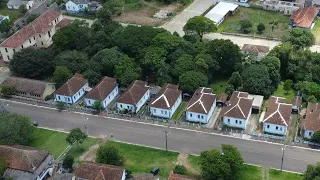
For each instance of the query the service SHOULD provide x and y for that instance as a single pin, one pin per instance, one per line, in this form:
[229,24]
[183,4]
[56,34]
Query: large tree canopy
[32,63]
[76,61]
[61,75]
[192,80]
[273,65]
[199,25]
[127,71]
[312,172]
[299,38]
[108,154]
[15,129]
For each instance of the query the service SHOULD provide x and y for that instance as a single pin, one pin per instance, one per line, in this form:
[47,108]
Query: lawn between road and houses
[4,11]
[268,18]
[142,159]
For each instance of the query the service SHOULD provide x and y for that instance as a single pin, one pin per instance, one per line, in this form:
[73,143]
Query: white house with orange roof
[37,34]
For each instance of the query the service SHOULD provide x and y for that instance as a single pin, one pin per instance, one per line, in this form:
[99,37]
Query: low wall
[252,36]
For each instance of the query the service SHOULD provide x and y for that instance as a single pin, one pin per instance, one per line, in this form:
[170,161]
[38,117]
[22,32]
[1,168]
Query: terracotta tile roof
[201,101]
[166,97]
[145,177]
[222,97]
[134,93]
[39,25]
[26,85]
[312,120]
[63,23]
[103,89]
[304,17]
[72,86]
[255,49]
[239,106]
[278,112]
[297,101]
[174,176]
[95,171]
[23,158]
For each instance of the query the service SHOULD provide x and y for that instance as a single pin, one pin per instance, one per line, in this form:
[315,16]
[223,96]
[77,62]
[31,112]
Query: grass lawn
[13,14]
[219,85]
[55,143]
[231,23]
[179,111]
[282,93]
[278,175]
[141,159]
[316,31]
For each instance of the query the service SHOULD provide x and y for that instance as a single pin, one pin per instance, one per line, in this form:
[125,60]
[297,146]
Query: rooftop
[72,86]
[63,23]
[103,89]
[220,10]
[39,25]
[278,112]
[201,101]
[312,120]
[166,97]
[255,49]
[96,171]
[134,93]
[239,105]
[304,17]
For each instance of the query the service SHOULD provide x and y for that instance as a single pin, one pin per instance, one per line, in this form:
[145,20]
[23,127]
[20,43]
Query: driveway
[195,9]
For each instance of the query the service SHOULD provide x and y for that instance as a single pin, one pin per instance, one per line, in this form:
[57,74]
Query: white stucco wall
[158,112]
[197,117]
[308,134]
[133,107]
[75,8]
[123,175]
[74,98]
[235,122]
[106,101]
[274,128]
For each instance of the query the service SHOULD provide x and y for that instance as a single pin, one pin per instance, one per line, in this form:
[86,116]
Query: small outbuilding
[222,99]
[221,11]
[296,104]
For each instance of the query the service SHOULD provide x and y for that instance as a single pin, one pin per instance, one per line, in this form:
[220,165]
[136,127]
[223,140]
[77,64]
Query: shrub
[180,169]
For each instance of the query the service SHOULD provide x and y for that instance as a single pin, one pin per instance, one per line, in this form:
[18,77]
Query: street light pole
[166,140]
[283,149]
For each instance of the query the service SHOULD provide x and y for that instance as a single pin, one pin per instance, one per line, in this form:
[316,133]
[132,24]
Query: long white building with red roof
[38,34]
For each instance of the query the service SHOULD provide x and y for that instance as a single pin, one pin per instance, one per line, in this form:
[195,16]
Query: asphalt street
[253,152]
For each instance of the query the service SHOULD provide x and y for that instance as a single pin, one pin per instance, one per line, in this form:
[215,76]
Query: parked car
[155,171]
[35,123]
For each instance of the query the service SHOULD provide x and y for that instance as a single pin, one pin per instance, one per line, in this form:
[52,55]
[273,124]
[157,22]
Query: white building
[37,34]
[238,110]
[201,106]
[105,91]
[76,6]
[166,102]
[221,11]
[15,4]
[284,7]
[89,171]
[311,123]
[277,116]
[256,51]
[71,91]
[134,97]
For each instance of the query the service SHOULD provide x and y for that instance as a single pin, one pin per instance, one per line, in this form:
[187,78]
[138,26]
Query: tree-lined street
[254,152]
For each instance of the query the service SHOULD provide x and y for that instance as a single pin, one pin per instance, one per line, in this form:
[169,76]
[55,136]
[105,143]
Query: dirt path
[90,155]
[183,160]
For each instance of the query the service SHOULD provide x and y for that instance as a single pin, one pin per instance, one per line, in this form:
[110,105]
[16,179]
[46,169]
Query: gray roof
[17,2]
[65,176]
[81,1]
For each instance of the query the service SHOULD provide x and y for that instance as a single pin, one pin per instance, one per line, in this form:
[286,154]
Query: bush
[3,165]
[245,26]
[7,90]
[48,97]
[60,106]
[68,162]
[180,169]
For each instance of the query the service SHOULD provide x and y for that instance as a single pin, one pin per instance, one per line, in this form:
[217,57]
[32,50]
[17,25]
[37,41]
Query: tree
[226,53]
[316,137]
[127,71]
[61,75]
[113,6]
[245,26]
[32,17]
[68,162]
[213,165]
[273,65]
[233,157]
[288,85]
[76,135]
[184,63]
[104,15]
[32,63]
[312,99]
[76,61]
[93,77]
[229,90]
[299,38]
[60,106]
[312,172]
[308,89]
[108,59]
[3,165]
[108,154]
[22,9]
[283,52]
[192,80]
[255,80]
[199,25]
[8,90]
[153,59]
[235,80]
[261,28]
[15,129]
[6,26]
[97,105]
[180,169]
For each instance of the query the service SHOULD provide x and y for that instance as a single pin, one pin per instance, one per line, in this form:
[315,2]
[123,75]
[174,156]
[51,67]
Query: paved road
[265,154]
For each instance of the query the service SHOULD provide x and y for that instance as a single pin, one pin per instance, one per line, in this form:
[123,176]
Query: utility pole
[166,139]
[283,149]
